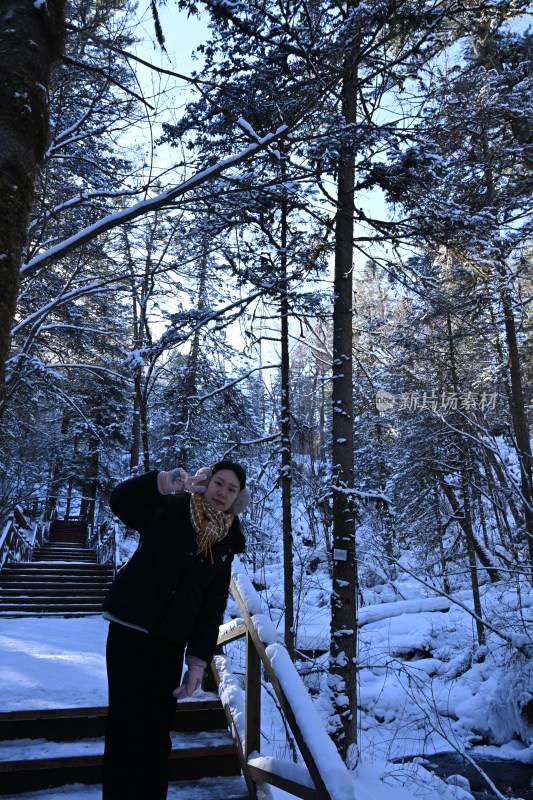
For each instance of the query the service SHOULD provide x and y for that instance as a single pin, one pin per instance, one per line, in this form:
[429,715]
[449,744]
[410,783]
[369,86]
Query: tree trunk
[57,469]
[466,523]
[189,385]
[90,485]
[343,647]
[135,449]
[286,448]
[145,433]
[519,416]
[471,549]
[440,534]
[30,43]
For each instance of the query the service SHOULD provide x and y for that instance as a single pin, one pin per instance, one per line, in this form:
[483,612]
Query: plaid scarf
[210,525]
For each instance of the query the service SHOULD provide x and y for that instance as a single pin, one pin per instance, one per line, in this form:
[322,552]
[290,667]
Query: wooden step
[63,578]
[70,553]
[76,607]
[68,605]
[218,788]
[67,546]
[42,749]
[60,525]
[59,590]
[66,724]
[55,568]
[21,614]
[69,587]
[67,541]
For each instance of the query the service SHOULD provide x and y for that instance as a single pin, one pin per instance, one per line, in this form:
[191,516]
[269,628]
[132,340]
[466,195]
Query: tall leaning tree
[31,38]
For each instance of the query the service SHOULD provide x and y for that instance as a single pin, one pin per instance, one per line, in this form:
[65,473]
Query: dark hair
[236,468]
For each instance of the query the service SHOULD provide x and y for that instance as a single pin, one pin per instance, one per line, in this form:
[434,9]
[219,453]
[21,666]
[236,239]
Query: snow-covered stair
[58,753]
[63,579]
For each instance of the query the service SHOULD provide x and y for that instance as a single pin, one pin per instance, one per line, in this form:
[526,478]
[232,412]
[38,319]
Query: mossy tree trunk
[31,35]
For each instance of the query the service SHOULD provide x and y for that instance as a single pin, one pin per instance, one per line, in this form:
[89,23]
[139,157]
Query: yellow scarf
[210,525]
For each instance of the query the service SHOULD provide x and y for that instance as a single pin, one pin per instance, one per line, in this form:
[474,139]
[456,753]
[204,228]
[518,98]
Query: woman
[169,597]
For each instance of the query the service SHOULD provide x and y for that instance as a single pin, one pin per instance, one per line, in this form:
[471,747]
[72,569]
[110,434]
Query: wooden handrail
[19,518]
[13,544]
[107,546]
[323,776]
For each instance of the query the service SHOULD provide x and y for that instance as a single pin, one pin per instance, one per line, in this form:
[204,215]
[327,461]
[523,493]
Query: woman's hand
[172,481]
[178,480]
[192,680]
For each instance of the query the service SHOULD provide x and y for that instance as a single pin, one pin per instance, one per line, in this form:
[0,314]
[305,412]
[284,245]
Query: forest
[312,255]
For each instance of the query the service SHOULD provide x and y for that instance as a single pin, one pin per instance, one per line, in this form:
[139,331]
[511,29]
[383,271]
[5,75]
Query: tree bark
[31,35]
[466,521]
[519,417]
[460,516]
[343,647]
[57,469]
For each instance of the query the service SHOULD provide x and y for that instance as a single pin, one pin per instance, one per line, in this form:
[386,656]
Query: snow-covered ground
[60,663]
[424,684]
[52,662]
[424,687]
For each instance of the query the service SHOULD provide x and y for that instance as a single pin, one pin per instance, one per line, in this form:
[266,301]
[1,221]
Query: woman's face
[222,490]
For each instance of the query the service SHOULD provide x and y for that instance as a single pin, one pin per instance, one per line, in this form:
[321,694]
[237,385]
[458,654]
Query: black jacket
[165,587]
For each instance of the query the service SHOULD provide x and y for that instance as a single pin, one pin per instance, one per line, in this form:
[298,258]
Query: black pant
[142,672]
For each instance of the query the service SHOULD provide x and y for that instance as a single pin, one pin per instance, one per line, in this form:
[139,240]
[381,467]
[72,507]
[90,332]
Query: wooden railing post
[324,775]
[252,730]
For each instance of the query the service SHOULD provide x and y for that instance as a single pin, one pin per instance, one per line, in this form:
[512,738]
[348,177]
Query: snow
[31,749]
[245,587]
[286,769]
[245,125]
[423,688]
[369,614]
[52,662]
[231,693]
[325,756]
[199,790]
[511,751]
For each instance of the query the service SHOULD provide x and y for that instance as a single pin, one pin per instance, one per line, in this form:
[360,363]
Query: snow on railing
[13,544]
[324,775]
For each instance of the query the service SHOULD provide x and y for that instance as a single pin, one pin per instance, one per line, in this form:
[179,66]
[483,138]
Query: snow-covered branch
[162,200]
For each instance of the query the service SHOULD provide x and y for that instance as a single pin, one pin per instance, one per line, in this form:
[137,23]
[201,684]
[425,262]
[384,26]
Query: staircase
[53,749]
[62,579]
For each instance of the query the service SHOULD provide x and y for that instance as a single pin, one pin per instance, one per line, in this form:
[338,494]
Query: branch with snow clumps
[162,200]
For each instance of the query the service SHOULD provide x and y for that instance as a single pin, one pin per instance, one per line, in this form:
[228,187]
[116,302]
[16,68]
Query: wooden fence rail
[323,775]
[15,538]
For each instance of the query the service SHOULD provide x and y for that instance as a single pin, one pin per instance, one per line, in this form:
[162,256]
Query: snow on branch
[60,300]
[202,398]
[85,196]
[143,207]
